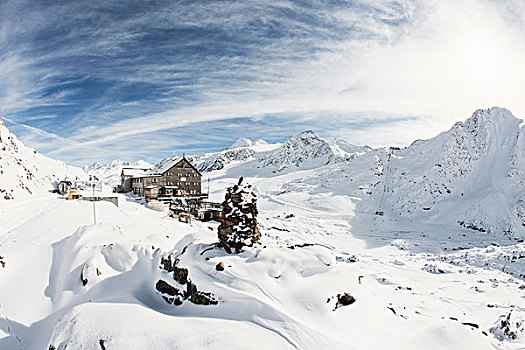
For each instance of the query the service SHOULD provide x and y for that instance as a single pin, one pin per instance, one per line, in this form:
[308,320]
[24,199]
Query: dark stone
[165,288]
[470,324]
[345,299]
[220,266]
[180,275]
[197,297]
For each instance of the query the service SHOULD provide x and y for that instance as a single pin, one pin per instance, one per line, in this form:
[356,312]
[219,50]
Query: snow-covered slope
[25,172]
[109,174]
[471,175]
[378,224]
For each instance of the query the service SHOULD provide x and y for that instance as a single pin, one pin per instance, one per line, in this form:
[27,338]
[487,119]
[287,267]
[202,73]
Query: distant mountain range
[472,175]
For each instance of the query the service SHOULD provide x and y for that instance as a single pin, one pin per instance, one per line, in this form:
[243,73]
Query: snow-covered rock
[238,228]
[25,172]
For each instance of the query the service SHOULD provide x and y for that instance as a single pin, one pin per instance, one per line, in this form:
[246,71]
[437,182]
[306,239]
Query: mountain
[470,176]
[424,242]
[25,172]
[301,151]
[109,174]
[305,150]
[242,150]
[344,149]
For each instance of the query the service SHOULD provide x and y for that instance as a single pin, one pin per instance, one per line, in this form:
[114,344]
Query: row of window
[181,174]
[170,183]
[139,191]
[156,180]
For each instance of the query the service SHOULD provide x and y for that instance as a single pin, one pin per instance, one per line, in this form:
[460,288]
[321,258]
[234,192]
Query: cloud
[112,75]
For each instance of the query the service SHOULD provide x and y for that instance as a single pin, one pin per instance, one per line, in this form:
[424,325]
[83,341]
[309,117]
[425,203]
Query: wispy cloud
[105,77]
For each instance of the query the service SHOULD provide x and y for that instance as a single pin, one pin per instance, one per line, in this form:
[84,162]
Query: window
[154,180]
[170,173]
[169,183]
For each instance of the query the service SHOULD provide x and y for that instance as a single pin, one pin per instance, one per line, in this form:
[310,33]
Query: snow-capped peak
[345,149]
[241,142]
[306,149]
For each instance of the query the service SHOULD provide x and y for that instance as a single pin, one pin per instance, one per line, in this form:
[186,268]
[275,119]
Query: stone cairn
[238,228]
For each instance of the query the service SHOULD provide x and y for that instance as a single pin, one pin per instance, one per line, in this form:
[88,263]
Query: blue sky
[98,80]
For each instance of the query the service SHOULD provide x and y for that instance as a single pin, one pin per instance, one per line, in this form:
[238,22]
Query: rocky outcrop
[174,293]
[508,327]
[239,222]
[306,150]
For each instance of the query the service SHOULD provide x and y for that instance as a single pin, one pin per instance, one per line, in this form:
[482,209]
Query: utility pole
[94,199]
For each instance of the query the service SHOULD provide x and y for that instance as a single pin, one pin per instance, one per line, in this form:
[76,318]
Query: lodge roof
[133,171]
[164,166]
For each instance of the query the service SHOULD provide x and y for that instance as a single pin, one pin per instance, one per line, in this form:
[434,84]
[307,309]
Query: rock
[345,299]
[508,327]
[220,266]
[238,227]
[173,295]
[197,297]
[165,288]
[83,275]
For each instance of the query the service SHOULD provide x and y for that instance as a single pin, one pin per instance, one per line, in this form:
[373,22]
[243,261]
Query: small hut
[151,192]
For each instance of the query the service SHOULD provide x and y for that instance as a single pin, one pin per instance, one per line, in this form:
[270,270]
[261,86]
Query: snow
[334,218]
[110,174]
[242,142]
[24,172]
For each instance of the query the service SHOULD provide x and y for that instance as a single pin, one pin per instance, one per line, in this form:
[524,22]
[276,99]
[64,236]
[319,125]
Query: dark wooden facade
[181,177]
